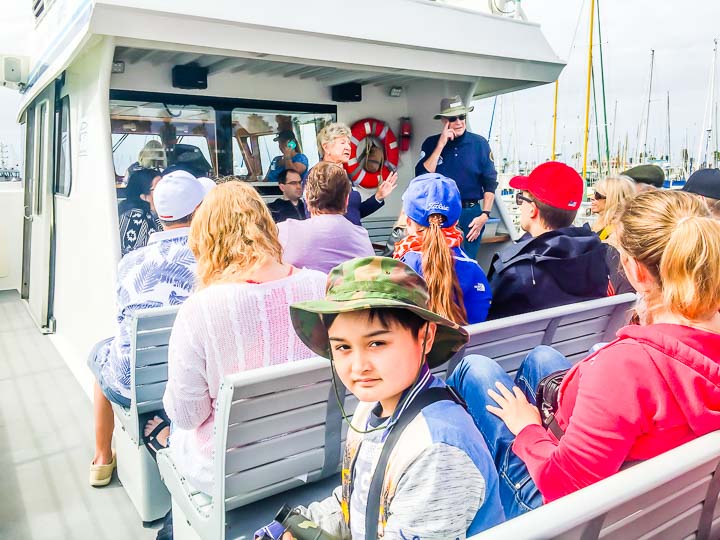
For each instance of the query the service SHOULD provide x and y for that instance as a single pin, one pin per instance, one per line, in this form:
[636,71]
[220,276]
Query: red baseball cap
[553,183]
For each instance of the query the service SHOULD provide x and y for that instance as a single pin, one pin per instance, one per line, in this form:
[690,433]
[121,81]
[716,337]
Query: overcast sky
[681,33]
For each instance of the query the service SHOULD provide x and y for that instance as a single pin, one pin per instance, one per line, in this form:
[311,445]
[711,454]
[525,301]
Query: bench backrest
[571,329]
[148,359]
[674,495]
[379,228]
[280,427]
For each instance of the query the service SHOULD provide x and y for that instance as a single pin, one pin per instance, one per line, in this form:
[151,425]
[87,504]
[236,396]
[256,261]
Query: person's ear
[534,211]
[637,273]
[428,337]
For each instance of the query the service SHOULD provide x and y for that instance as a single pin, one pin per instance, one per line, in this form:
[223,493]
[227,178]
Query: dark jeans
[466,216]
[472,378]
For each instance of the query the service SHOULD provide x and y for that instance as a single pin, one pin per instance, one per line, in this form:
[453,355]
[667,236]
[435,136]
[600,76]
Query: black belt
[469,203]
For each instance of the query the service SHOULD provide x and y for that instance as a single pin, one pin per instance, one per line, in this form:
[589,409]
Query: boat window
[157,135]
[254,132]
[63,178]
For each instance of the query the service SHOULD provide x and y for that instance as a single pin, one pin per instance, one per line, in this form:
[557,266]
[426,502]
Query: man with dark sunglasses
[554,263]
[466,158]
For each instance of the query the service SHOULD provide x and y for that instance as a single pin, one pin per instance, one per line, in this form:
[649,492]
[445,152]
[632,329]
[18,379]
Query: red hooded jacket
[651,390]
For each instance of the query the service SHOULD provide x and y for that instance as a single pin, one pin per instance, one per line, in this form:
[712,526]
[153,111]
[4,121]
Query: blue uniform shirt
[274,169]
[473,282]
[467,160]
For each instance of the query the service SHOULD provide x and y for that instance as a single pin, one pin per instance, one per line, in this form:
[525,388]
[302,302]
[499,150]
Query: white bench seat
[278,429]
[672,496]
[136,469]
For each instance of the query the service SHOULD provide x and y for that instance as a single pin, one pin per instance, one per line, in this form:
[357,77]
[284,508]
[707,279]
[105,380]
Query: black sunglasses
[519,198]
[452,119]
[599,196]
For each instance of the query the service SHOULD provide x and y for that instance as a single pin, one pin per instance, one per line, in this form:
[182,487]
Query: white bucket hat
[177,195]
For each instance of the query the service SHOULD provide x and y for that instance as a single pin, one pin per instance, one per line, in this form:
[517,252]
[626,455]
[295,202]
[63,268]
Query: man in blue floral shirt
[159,274]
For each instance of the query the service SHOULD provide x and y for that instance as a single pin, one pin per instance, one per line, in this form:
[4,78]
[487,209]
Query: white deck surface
[46,444]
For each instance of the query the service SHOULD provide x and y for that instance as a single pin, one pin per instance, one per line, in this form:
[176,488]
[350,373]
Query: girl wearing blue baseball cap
[458,287]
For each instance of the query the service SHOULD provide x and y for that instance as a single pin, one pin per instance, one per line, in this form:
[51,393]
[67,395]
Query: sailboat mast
[706,131]
[589,87]
[647,117]
[555,111]
[602,85]
[668,128]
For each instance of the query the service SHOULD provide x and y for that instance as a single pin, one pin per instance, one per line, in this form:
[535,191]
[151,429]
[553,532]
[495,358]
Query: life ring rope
[372,127]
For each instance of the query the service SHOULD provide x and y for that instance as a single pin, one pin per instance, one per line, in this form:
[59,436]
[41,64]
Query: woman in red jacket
[654,388]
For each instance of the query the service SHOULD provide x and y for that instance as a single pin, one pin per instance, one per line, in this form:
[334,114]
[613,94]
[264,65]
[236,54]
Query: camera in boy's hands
[289,524]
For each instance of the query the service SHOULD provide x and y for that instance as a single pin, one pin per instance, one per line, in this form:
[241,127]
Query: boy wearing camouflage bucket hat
[376,329]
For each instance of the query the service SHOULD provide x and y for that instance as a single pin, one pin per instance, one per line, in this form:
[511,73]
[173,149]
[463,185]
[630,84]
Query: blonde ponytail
[690,268]
[673,236]
[438,266]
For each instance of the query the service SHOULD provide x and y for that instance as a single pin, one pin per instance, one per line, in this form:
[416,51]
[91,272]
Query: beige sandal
[101,475]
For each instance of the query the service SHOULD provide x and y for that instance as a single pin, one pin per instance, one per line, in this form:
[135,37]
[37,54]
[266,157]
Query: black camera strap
[427,397]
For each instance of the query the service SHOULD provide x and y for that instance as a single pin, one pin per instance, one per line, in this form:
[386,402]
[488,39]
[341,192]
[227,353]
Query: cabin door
[37,233]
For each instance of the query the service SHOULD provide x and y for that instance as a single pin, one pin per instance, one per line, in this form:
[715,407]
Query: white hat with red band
[177,195]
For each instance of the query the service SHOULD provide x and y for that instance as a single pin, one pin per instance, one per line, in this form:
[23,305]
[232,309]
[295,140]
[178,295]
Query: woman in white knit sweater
[237,320]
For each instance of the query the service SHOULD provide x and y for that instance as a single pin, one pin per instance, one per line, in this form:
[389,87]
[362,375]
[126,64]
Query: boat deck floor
[46,445]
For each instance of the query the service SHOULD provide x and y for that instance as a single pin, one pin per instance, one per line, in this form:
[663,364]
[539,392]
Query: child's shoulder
[450,424]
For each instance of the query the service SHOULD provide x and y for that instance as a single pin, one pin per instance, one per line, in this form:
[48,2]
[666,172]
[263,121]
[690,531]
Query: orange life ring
[371,127]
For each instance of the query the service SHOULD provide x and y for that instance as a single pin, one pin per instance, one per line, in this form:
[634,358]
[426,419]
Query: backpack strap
[372,509]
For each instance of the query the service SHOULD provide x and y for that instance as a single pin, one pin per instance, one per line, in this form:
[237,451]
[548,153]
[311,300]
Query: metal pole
[589,82]
[492,118]
[597,127]
[669,156]
[647,119]
[555,110]
[602,84]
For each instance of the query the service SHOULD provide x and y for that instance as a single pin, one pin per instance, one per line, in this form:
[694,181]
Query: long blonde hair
[672,234]
[438,267]
[617,190]
[232,232]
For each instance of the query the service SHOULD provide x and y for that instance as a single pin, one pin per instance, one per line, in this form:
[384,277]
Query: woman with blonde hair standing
[656,387]
[608,201]
[237,320]
[334,145]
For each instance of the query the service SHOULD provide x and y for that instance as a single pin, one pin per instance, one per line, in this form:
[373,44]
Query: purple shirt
[322,242]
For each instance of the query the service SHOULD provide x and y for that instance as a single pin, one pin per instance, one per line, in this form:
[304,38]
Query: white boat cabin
[100,86]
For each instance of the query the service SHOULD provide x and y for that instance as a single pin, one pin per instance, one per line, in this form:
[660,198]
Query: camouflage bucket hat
[374,282]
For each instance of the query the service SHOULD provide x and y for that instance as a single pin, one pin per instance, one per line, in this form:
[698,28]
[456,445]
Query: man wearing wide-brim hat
[466,158]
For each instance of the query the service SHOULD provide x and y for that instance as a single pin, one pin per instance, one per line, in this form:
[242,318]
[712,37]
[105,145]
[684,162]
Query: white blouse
[220,330]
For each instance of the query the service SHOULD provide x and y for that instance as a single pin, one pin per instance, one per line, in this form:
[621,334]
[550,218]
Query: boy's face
[376,363]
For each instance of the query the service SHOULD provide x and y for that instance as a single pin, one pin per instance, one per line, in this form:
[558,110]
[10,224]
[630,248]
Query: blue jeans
[466,216]
[472,378]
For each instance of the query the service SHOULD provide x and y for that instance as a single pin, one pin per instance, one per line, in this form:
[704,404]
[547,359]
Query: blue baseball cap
[432,193]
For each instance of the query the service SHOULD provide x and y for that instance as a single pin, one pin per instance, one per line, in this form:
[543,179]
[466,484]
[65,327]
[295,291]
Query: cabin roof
[384,42]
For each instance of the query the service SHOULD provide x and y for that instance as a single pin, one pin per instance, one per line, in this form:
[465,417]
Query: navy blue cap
[705,182]
[429,194]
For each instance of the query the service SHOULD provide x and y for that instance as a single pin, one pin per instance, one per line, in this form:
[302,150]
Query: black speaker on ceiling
[189,77]
[346,92]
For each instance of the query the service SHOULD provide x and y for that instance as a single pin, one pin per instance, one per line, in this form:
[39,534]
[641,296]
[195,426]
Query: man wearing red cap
[554,263]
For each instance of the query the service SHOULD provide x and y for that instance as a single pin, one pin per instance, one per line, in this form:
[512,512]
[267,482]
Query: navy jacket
[357,208]
[556,268]
[282,209]
[467,160]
